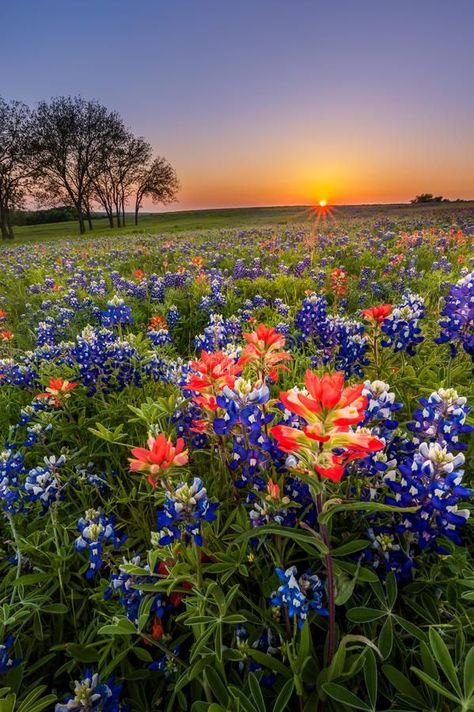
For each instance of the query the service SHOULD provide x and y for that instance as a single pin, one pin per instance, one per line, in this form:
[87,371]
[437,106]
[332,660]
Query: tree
[158,182]
[118,172]
[70,137]
[16,168]
[428,198]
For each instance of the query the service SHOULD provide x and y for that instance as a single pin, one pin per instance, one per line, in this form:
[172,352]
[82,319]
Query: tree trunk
[89,218]
[8,221]
[80,217]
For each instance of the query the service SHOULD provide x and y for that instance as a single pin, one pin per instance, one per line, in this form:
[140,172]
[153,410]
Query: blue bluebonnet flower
[11,467]
[90,694]
[183,511]
[166,664]
[128,586]
[401,327]
[219,334]
[159,337]
[432,481]
[173,316]
[381,405]
[457,328]
[42,483]
[117,313]
[7,663]
[268,642]
[97,531]
[336,339]
[299,595]
[442,419]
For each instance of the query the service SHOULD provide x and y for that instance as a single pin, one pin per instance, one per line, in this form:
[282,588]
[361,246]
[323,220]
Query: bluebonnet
[128,586]
[401,328]
[432,481]
[381,405]
[90,694]
[183,511]
[42,484]
[299,595]
[457,326]
[442,419]
[336,339]
[159,337]
[172,316]
[117,313]
[219,333]
[7,663]
[96,532]
[166,664]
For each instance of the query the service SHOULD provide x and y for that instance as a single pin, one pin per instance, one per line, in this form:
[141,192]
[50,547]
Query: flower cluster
[300,596]
[117,313]
[185,507]
[401,327]
[457,326]
[96,532]
[91,695]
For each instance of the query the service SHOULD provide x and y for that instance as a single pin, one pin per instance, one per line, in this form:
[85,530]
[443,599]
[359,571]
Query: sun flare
[322,203]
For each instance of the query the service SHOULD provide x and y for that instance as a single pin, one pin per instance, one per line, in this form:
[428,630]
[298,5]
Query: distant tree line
[77,154]
[430,198]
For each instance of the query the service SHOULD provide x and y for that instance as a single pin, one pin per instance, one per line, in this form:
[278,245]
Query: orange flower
[198,261]
[58,390]
[7,335]
[329,411]
[139,274]
[161,455]
[214,371]
[3,315]
[156,323]
[377,314]
[263,351]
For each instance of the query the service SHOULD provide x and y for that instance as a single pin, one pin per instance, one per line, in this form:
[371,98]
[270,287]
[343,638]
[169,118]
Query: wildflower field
[235,469]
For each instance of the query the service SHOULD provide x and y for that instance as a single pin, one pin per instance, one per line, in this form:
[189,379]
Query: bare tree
[16,168]
[158,182]
[118,172]
[70,136]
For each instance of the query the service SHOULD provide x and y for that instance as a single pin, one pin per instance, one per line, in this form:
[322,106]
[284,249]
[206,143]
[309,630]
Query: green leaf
[284,696]
[122,627]
[8,703]
[392,590]
[411,628]
[364,615]
[350,547]
[469,674]
[444,660]
[256,691]
[370,676]
[385,640]
[401,683]
[270,662]
[341,694]
[435,685]
[333,509]
[217,686]
[284,533]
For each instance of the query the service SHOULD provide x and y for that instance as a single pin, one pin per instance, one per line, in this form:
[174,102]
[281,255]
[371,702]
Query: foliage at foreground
[235,471]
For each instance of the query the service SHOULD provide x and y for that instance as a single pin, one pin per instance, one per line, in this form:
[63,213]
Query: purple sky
[261,102]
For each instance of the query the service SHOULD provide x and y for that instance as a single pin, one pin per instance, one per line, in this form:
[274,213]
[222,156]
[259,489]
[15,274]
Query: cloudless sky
[266,102]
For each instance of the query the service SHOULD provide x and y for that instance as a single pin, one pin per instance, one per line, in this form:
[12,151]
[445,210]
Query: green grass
[190,220]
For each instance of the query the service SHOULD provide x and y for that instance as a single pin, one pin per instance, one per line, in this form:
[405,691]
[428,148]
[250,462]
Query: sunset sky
[267,102]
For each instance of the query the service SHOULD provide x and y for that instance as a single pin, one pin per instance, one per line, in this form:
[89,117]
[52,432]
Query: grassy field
[190,220]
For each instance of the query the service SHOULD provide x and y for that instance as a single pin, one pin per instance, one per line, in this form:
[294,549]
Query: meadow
[235,463]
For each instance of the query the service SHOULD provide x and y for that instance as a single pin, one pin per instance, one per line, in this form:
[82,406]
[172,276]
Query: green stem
[18,555]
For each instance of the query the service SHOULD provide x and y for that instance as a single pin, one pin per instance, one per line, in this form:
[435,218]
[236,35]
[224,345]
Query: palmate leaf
[284,533]
[345,697]
[444,660]
[331,508]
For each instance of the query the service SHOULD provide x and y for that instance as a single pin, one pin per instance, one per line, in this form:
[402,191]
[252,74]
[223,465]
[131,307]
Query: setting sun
[322,203]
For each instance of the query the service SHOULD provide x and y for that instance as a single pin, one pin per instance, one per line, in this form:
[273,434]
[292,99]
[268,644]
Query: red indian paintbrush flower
[377,314]
[214,371]
[57,390]
[329,411]
[7,335]
[263,351]
[161,455]
[3,315]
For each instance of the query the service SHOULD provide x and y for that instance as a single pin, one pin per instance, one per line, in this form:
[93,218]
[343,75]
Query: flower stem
[331,587]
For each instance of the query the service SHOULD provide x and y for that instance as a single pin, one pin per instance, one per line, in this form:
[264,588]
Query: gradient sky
[267,102]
